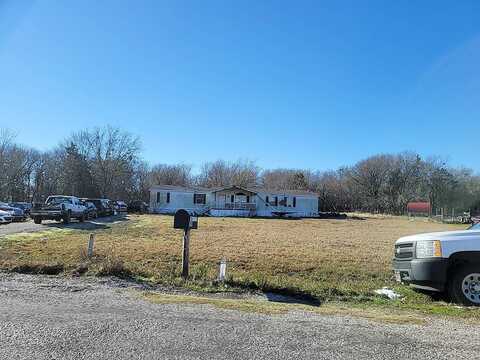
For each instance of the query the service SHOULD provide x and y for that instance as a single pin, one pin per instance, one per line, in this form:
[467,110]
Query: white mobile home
[233,201]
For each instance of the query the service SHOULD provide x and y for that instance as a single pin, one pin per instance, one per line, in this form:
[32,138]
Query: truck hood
[445,235]
[53,207]
[48,207]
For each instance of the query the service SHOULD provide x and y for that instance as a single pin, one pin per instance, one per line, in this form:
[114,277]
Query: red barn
[419,208]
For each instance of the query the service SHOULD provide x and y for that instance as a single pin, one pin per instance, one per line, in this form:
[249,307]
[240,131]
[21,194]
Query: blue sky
[304,84]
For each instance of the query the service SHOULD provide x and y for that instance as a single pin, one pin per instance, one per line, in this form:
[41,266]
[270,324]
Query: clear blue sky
[305,84]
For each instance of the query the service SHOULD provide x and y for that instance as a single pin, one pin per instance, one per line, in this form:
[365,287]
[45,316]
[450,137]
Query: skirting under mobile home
[233,201]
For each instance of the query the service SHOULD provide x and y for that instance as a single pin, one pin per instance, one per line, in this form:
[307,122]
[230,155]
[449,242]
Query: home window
[283,202]
[273,202]
[294,201]
[240,198]
[168,198]
[232,198]
[158,197]
[248,198]
[200,199]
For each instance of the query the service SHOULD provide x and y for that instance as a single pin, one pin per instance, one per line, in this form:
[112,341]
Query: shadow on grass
[321,216]
[288,295]
[356,218]
[39,269]
[304,299]
[115,267]
[93,224]
[433,295]
[278,218]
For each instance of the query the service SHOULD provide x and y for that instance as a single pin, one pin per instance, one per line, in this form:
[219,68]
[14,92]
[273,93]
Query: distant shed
[419,208]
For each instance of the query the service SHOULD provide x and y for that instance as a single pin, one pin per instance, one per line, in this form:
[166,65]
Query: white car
[5,217]
[444,261]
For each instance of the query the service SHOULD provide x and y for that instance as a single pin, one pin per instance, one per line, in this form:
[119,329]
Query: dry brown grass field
[326,258]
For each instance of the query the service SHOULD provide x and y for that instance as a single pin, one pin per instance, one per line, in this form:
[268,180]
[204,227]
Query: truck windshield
[57,200]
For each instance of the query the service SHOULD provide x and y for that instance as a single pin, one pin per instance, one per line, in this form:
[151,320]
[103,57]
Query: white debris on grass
[389,293]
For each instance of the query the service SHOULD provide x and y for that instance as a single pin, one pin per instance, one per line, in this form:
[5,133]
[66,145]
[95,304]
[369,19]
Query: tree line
[106,162]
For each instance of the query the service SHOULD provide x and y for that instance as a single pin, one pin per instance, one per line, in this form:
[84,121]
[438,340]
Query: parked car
[120,206]
[103,206]
[59,207]
[25,206]
[16,213]
[5,217]
[442,262]
[91,210]
[138,206]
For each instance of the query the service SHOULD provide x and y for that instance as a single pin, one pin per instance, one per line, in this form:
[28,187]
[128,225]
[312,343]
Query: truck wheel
[37,220]
[465,285]
[66,218]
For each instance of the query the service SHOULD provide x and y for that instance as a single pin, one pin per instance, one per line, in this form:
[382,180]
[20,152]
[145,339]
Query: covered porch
[234,198]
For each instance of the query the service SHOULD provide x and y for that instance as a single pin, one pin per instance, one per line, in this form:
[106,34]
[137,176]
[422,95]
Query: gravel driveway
[57,318]
[30,226]
[17,227]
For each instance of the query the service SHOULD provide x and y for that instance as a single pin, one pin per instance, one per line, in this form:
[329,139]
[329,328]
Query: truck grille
[404,251]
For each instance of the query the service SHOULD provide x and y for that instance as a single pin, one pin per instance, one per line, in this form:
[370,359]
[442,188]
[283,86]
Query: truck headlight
[429,249]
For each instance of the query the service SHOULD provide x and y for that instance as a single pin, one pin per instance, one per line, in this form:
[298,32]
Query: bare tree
[370,177]
[16,166]
[438,182]
[141,182]
[180,175]
[6,142]
[47,178]
[287,179]
[403,181]
[332,191]
[112,155]
[222,173]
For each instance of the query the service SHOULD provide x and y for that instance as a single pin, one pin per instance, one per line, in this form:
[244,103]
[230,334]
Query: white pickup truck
[443,261]
[59,207]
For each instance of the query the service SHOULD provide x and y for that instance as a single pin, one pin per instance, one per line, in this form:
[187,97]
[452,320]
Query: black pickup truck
[104,206]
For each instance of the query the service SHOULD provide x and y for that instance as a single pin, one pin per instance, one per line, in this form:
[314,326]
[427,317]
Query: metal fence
[452,216]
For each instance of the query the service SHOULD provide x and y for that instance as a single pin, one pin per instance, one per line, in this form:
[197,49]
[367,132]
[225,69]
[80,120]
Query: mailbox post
[185,220]
[186,254]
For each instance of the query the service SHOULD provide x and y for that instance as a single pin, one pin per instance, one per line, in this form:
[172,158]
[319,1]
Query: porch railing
[240,206]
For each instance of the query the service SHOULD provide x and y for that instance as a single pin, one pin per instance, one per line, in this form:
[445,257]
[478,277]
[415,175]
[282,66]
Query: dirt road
[63,318]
